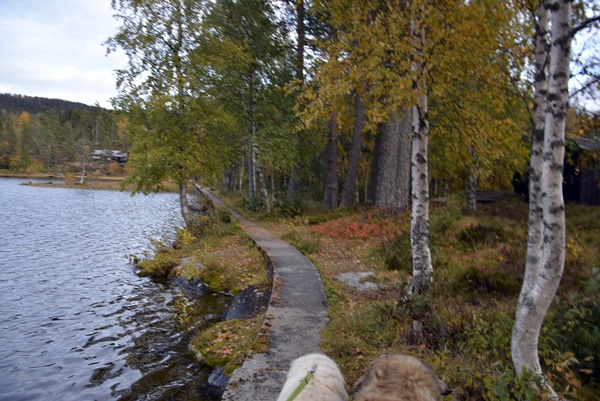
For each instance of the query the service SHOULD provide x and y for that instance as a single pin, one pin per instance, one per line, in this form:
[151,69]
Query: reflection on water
[76,323]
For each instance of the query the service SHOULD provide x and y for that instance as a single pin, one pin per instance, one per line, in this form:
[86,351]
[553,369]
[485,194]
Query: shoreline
[94,182]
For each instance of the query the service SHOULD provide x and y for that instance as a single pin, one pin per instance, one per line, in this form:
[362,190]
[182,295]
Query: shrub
[576,323]
[184,239]
[481,278]
[397,253]
[471,236]
[161,265]
[223,215]
[288,207]
[218,277]
[443,219]
[303,241]
[197,225]
[204,205]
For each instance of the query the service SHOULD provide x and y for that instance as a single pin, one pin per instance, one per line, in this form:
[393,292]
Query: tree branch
[584,24]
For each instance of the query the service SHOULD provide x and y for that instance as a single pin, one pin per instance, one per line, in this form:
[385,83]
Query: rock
[355,280]
[190,286]
[247,303]
[215,384]
[217,378]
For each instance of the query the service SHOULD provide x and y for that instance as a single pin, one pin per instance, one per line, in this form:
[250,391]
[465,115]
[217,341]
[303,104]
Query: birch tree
[419,228]
[546,255]
[246,47]
[159,37]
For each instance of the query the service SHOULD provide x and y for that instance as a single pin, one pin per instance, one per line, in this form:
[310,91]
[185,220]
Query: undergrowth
[212,248]
[466,326]
[227,343]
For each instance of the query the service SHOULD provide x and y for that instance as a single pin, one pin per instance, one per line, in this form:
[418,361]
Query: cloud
[55,49]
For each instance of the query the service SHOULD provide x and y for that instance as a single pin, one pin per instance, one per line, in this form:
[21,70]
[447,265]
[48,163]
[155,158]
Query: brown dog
[399,378]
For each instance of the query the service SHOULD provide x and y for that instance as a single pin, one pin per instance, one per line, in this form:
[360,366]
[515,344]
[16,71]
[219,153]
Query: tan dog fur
[399,378]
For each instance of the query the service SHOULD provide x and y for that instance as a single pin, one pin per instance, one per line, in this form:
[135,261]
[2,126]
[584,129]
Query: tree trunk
[535,238]
[402,191]
[372,177]
[472,182]
[241,182]
[348,193]
[260,178]
[293,185]
[419,233]
[252,150]
[251,170]
[472,190]
[534,304]
[388,163]
[331,184]
[183,202]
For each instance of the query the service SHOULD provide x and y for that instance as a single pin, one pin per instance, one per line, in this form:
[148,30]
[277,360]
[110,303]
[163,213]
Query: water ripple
[76,323]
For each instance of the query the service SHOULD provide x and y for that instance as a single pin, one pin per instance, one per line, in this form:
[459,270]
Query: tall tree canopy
[158,89]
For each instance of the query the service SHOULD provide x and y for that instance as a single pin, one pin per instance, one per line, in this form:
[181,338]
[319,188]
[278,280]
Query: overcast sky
[53,48]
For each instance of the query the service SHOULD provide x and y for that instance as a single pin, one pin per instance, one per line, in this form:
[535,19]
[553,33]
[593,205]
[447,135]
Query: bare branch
[584,24]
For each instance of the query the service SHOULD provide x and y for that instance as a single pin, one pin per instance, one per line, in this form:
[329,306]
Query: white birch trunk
[419,233]
[534,304]
[260,178]
[536,222]
[472,182]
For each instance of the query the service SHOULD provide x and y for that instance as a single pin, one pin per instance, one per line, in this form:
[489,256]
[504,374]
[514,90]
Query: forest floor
[478,261]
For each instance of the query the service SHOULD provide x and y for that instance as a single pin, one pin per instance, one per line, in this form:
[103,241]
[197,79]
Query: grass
[228,343]
[214,249]
[478,263]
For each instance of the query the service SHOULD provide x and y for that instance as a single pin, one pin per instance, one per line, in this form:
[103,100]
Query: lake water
[76,322]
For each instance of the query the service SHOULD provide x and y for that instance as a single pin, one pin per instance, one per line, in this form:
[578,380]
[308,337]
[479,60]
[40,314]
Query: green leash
[303,383]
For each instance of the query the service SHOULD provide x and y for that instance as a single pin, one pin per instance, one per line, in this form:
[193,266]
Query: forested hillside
[33,104]
[39,135]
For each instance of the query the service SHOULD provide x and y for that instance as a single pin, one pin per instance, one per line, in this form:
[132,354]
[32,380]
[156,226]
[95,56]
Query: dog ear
[357,386]
[445,390]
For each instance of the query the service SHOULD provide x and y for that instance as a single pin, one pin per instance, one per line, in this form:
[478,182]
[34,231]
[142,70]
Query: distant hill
[18,103]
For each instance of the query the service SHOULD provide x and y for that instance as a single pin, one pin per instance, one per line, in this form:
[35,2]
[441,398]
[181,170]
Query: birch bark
[472,181]
[536,222]
[534,304]
[419,233]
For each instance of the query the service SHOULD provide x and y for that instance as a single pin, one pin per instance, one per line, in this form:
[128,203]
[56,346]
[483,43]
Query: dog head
[399,378]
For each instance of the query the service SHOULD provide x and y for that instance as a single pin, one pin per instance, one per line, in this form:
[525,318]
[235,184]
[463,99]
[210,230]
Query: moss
[161,265]
[228,343]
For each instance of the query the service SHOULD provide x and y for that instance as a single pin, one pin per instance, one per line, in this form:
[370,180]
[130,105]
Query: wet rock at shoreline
[247,303]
